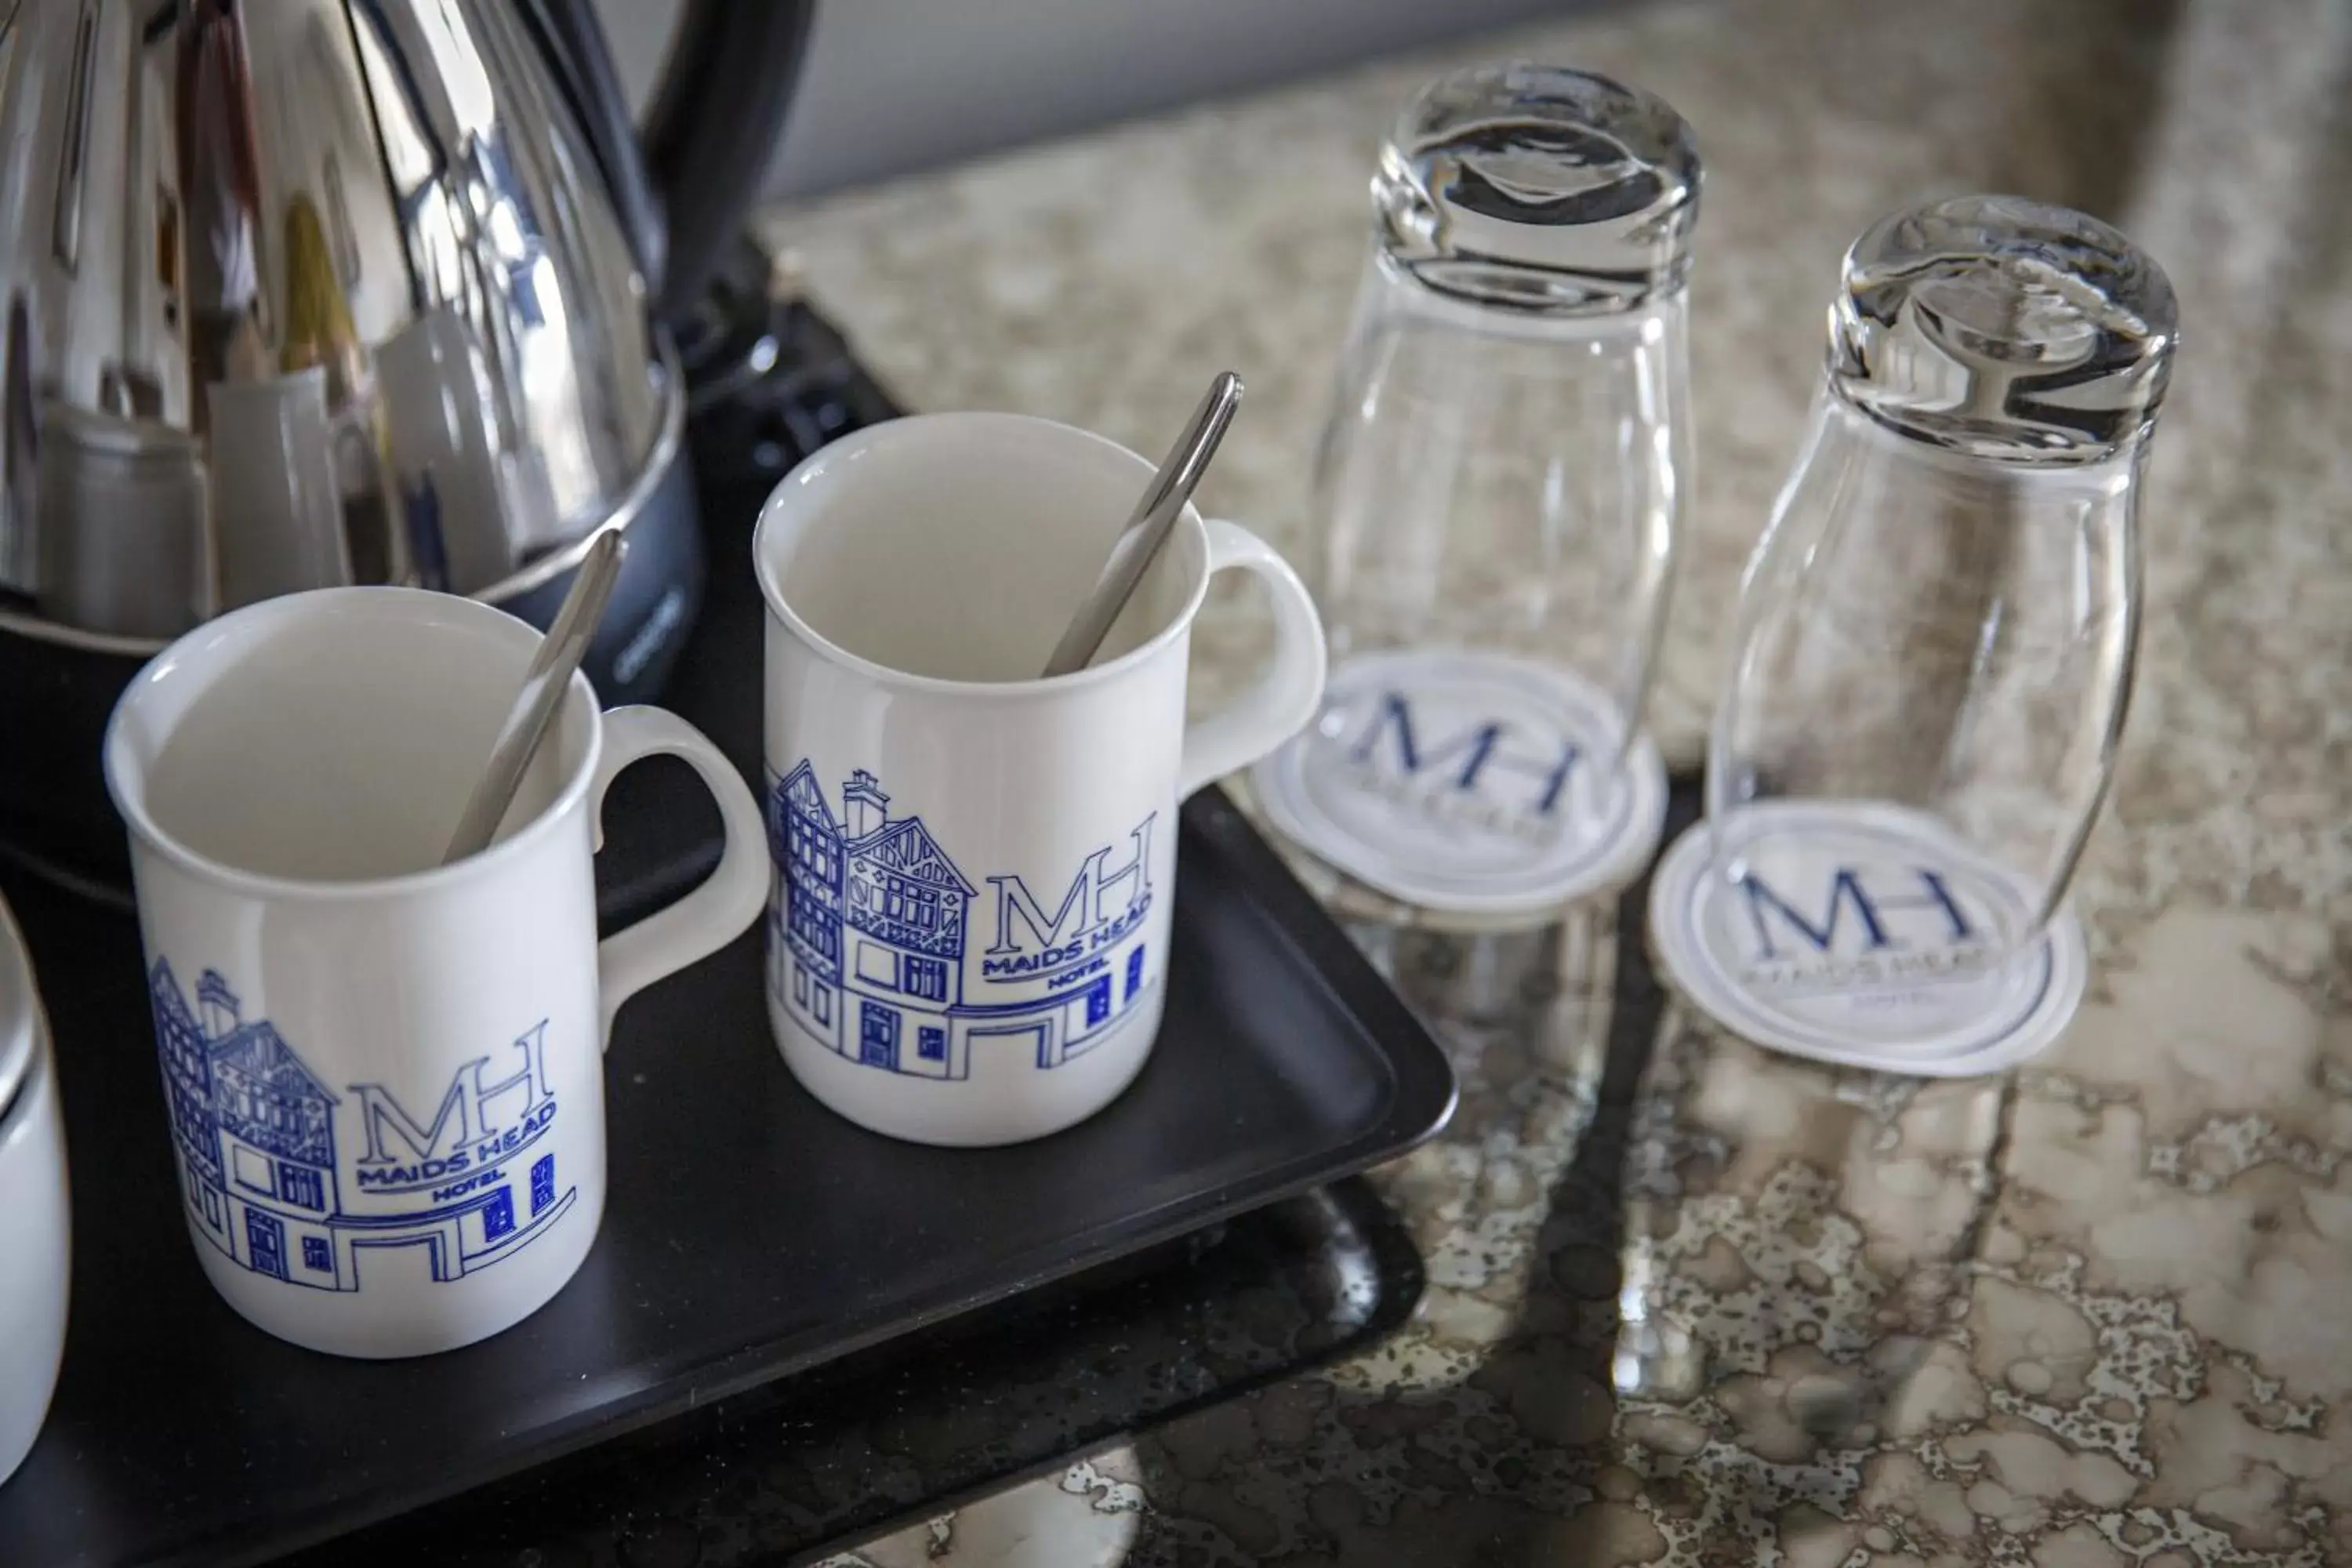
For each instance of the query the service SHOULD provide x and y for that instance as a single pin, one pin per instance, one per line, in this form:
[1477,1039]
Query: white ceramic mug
[35,1241]
[277,509]
[967,940]
[384,1074]
[469,499]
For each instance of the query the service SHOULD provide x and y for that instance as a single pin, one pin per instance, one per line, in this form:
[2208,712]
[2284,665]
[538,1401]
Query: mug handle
[711,916]
[1285,697]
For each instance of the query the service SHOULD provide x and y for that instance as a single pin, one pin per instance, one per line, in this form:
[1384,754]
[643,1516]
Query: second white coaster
[1864,934]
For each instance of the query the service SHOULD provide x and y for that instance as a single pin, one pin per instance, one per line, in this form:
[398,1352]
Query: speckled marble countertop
[2097,1312]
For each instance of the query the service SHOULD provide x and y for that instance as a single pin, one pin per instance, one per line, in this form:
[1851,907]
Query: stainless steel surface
[1138,543]
[560,653]
[374,228]
[667,450]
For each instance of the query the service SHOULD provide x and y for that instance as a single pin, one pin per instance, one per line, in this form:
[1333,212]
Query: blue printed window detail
[808,923]
[266,1184]
[877,1035]
[188,1114]
[870,905]
[265,1241]
[910,905]
[927,978]
[254,1170]
[301,1186]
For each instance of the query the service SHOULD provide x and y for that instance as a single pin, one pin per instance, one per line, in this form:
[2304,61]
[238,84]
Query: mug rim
[1189,522]
[22,1022]
[201,640]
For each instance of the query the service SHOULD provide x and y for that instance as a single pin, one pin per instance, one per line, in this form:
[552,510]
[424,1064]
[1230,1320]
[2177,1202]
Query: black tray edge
[1421,1102]
[1347,1190]
[1363,1206]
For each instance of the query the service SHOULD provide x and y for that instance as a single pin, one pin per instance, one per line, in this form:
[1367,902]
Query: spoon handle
[560,653]
[1154,519]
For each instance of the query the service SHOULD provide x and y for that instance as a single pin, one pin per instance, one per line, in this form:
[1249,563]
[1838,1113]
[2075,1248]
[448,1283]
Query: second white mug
[968,935]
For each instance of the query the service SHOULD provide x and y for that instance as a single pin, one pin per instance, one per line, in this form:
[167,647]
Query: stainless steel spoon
[560,653]
[1148,530]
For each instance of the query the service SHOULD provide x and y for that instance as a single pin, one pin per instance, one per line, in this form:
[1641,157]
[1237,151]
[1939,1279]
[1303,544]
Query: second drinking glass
[1495,504]
[1934,652]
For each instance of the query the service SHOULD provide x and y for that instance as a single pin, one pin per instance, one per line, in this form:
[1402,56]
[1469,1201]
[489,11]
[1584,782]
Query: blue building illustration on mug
[255,1133]
[870,939]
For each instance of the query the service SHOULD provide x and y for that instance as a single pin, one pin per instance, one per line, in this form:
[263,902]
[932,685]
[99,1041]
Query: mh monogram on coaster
[1867,935]
[1471,785]
[974,866]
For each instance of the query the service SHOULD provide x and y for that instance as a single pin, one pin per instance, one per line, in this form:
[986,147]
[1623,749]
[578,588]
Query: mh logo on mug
[871,950]
[258,1149]
[1101,906]
[479,1123]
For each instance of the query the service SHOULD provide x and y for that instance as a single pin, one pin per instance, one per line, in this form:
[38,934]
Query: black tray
[902,1432]
[751,1235]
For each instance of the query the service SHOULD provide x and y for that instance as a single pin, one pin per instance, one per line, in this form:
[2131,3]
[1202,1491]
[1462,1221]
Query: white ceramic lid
[20,1010]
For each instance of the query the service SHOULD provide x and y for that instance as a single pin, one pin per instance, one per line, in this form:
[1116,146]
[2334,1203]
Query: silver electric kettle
[306,292]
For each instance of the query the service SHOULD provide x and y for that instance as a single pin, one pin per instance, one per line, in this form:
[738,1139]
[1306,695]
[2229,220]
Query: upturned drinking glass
[1935,635]
[1500,478]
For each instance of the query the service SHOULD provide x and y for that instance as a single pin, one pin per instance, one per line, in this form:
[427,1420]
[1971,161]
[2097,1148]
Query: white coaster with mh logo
[1468,783]
[1866,934]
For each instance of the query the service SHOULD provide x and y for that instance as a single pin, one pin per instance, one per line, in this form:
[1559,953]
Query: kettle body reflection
[297,293]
